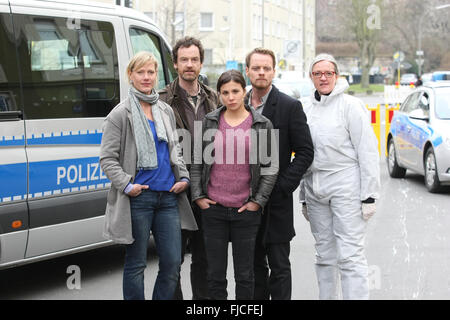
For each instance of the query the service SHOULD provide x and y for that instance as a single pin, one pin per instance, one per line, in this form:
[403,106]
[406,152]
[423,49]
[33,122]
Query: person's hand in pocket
[250,206]
[204,203]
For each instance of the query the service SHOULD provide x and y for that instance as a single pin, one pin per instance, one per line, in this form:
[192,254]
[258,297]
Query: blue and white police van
[62,69]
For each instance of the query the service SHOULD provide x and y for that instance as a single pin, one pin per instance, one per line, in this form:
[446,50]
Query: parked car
[408,78]
[419,137]
[296,88]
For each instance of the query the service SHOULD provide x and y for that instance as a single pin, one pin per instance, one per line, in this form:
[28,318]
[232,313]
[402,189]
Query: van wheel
[395,171]
[431,177]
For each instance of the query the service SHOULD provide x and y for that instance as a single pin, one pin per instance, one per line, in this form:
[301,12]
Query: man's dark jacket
[287,115]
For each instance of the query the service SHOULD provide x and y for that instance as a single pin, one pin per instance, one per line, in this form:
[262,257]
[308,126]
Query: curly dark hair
[186,42]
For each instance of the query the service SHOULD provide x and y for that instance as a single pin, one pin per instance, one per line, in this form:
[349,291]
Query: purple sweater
[229,182]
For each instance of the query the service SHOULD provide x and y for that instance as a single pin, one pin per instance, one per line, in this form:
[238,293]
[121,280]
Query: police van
[62,69]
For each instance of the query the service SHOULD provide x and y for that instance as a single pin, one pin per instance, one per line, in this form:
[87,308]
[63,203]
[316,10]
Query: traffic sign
[292,49]
[399,56]
[420,62]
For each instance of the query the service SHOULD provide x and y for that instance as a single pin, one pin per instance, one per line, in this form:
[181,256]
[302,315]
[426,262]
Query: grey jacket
[118,158]
[263,175]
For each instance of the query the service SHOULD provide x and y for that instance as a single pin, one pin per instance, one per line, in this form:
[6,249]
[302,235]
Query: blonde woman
[141,156]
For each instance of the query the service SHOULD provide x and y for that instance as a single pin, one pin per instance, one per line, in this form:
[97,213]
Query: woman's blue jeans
[155,211]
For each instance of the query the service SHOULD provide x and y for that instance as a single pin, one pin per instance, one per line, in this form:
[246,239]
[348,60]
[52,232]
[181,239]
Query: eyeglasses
[319,74]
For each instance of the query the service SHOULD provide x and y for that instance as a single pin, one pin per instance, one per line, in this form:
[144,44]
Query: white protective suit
[345,171]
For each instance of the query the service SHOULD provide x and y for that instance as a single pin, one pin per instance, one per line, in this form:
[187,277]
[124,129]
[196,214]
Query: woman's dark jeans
[155,211]
[220,226]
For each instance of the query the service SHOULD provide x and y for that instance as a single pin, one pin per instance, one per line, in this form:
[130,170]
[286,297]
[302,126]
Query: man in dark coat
[190,100]
[277,228]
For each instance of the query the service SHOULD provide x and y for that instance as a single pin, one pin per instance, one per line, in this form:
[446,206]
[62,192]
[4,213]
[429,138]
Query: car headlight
[447,141]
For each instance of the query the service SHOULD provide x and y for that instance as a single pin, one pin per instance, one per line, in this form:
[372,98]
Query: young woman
[141,156]
[232,184]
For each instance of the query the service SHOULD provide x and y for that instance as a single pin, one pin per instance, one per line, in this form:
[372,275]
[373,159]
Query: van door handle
[15,115]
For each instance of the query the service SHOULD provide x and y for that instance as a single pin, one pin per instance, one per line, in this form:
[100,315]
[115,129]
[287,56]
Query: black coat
[286,114]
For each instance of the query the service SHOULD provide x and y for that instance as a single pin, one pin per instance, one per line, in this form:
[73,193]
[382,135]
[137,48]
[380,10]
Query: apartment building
[229,29]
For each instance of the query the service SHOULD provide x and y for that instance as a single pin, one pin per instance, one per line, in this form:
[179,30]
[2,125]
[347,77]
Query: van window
[68,70]
[144,41]
[9,78]
[170,67]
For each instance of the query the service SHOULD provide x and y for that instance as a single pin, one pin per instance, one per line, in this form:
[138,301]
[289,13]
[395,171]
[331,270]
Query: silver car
[419,137]
[408,78]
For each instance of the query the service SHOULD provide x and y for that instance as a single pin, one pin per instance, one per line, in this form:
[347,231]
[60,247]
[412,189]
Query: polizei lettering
[79,173]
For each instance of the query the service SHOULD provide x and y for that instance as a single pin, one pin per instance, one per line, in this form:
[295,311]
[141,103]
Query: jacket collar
[215,115]
[272,100]
[174,89]
[339,89]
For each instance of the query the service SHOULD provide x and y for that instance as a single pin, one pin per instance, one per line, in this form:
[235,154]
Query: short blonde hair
[139,60]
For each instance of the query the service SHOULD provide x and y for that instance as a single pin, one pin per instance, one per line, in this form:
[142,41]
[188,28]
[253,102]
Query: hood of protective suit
[341,86]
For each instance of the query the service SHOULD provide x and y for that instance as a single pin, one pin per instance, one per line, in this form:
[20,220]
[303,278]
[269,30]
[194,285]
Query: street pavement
[407,248]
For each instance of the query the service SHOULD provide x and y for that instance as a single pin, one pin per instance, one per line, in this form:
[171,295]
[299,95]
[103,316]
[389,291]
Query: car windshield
[443,103]
[296,89]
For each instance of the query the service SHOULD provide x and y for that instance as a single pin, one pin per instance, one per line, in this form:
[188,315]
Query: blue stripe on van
[14,141]
[13,184]
[48,178]
[90,138]
[53,139]
[65,176]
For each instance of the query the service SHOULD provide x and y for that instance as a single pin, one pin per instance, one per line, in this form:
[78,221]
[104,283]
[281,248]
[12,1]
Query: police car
[419,136]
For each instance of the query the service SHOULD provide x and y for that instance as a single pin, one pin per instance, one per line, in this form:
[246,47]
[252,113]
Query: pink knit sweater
[229,182]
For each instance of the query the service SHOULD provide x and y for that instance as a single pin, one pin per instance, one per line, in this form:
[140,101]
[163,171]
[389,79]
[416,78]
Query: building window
[179,21]
[257,32]
[206,21]
[208,60]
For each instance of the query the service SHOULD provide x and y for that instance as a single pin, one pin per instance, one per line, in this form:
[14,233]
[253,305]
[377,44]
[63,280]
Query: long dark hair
[228,76]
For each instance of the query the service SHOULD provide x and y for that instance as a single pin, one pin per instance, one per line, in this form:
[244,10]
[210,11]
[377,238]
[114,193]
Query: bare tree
[365,23]
[174,19]
[416,25]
